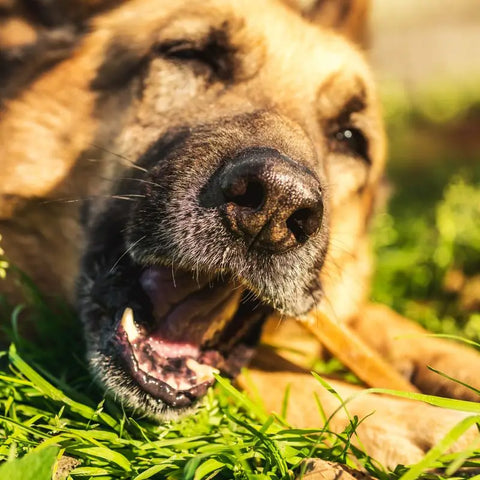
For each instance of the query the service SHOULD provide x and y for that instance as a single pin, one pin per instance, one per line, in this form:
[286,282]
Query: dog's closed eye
[184,50]
[213,52]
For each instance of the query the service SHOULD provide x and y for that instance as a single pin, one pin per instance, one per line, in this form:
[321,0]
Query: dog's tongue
[187,309]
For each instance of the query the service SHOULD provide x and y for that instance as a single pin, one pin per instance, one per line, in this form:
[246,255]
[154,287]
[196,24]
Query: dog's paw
[403,431]
[413,352]
[460,363]
[393,431]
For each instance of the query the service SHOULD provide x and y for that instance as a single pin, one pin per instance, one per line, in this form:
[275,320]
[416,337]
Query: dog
[183,170]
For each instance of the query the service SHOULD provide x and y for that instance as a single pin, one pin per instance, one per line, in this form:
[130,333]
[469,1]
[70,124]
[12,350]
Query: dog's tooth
[204,373]
[128,324]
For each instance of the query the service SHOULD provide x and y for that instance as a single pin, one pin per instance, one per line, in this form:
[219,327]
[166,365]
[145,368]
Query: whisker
[341,247]
[129,249]
[173,275]
[91,197]
[334,313]
[122,157]
[127,197]
[134,195]
[141,180]
[115,179]
[279,320]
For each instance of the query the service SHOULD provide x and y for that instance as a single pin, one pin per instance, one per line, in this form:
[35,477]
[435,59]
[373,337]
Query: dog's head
[246,146]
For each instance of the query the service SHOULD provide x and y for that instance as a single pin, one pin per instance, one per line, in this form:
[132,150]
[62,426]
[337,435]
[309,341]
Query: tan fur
[59,144]
[57,110]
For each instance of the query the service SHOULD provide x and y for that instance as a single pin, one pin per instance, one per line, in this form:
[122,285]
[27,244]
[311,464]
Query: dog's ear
[35,34]
[54,13]
[349,17]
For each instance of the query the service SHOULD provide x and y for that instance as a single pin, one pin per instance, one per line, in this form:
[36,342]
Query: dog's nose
[274,203]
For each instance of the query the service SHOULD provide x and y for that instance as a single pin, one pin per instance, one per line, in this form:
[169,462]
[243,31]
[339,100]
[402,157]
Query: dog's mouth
[179,329]
[172,292]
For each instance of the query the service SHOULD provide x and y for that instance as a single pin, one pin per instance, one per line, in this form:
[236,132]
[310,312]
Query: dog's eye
[183,51]
[351,140]
[210,54]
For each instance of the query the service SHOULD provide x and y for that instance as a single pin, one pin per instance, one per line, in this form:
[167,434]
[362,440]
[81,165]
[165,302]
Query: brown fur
[65,133]
[58,110]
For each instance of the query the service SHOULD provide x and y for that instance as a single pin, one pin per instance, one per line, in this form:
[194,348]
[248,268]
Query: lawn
[427,240]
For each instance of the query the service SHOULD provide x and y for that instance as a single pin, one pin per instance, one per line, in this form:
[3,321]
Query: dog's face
[251,144]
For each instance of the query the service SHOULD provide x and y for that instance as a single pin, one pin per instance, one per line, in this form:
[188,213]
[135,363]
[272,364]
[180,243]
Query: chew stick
[364,362]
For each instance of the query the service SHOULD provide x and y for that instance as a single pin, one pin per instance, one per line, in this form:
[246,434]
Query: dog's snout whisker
[119,156]
[126,196]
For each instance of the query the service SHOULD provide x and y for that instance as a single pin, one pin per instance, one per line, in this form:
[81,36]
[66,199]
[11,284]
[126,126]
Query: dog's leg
[407,347]
[398,431]
[394,431]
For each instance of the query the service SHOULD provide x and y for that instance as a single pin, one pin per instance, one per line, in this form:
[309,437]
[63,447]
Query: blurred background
[427,59]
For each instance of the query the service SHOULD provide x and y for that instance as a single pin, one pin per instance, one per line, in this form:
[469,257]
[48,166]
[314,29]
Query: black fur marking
[121,63]
[46,12]
[171,139]
[60,26]
[55,13]
[355,104]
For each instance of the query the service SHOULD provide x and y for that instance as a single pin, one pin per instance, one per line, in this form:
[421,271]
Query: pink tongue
[186,309]
[167,288]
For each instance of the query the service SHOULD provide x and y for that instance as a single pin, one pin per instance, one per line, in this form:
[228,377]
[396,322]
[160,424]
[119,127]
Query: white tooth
[204,373]
[176,384]
[128,324]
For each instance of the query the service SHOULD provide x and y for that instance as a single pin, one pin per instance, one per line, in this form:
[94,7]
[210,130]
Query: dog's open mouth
[172,292]
[185,330]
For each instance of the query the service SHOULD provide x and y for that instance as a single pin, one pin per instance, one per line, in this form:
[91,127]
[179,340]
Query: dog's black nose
[271,201]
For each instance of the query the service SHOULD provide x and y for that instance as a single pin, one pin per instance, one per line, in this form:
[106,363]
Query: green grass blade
[90,472]
[269,443]
[150,472]
[105,454]
[207,468]
[454,337]
[462,457]
[285,400]
[33,466]
[54,393]
[449,403]
[442,374]
[242,398]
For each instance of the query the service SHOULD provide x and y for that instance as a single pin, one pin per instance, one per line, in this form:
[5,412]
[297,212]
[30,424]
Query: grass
[229,437]
[428,241]
[428,247]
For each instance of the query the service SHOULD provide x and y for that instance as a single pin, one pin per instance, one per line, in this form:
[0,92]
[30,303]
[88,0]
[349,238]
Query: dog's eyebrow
[338,98]
[356,103]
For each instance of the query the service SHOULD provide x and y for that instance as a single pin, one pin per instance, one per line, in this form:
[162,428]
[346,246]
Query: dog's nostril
[303,223]
[245,193]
